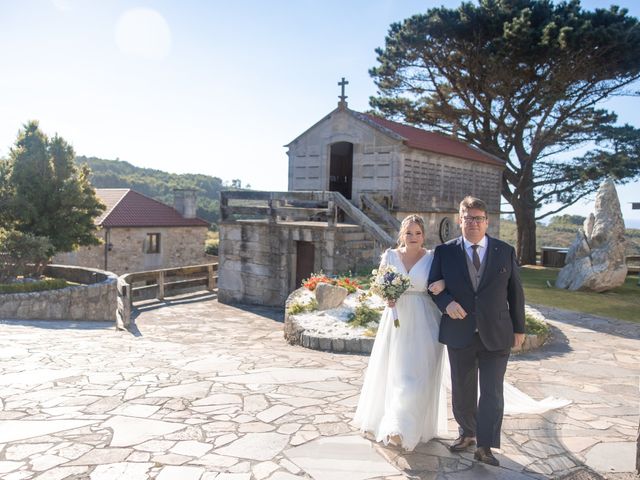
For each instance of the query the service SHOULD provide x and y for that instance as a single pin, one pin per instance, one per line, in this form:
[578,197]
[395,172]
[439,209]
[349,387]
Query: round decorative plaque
[445,230]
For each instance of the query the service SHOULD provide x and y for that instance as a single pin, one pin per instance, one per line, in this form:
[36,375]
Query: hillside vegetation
[156,183]
[561,234]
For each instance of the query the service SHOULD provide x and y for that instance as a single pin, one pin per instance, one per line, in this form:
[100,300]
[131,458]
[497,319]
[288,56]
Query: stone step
[357,236]
[360,245]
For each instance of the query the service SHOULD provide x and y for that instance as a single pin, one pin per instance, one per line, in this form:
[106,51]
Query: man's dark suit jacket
[496,309]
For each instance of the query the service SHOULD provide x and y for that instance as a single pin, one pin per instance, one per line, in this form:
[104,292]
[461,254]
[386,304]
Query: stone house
[140,233]
[403,168]
[383,171]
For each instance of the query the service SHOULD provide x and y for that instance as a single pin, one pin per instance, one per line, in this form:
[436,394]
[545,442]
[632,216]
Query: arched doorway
[341,168]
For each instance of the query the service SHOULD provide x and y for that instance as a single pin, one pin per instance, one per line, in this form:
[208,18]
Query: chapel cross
[342,84]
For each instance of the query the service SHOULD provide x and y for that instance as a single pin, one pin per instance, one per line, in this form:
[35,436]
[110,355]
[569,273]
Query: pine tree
[51,197]
[522,80]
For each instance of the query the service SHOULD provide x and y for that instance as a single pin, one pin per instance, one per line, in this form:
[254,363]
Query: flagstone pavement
[207,391]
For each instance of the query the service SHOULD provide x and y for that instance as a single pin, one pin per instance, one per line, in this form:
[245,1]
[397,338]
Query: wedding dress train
[404,389]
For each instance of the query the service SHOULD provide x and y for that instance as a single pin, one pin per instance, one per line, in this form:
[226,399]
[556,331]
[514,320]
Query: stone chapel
[405,169]
[352,178]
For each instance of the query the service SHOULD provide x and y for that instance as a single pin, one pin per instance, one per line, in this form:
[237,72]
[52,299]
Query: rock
[330,296]
[596,259]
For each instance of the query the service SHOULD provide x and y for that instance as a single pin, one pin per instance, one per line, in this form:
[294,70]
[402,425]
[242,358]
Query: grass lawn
[622,303]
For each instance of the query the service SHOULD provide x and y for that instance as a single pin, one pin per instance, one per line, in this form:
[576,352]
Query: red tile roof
[128,208]
[434,142]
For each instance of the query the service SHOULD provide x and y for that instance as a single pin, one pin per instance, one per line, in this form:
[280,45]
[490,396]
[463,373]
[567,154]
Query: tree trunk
[526,239]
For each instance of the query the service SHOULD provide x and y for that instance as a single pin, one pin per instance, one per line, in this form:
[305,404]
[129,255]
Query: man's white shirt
[482,250]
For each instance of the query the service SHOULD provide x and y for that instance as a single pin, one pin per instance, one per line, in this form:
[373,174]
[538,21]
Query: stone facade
[179,246]
[94,300]
[404,179]
[257,260]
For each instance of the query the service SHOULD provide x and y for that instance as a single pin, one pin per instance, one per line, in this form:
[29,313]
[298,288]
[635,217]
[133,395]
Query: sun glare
[143,32]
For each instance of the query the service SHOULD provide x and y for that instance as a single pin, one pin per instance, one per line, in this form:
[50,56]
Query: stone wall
[94,300]
[179,246]
[257,260]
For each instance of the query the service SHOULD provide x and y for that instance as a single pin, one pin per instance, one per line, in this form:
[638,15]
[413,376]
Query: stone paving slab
[208,391]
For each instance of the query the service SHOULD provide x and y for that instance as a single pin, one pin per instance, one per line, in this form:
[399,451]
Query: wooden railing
[381,212]
[160,283]
[296,206]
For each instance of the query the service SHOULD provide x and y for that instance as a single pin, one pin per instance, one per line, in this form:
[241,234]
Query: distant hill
[156,183]
[561,235]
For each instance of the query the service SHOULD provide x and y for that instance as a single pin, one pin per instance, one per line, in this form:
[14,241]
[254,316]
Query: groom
[483,317]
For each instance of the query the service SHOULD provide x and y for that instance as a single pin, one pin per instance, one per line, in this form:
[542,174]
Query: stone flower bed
[93,299]
[328,329]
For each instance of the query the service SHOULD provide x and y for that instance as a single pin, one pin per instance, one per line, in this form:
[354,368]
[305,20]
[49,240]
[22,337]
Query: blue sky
[214,87]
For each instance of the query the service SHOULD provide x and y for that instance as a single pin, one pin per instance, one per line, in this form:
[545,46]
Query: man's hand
[455,310]
[518,339]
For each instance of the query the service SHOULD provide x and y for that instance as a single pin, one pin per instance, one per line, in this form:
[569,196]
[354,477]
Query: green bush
[46,284]
[296,307]
[22,254]
[363,315]
[533,326]
[211,246]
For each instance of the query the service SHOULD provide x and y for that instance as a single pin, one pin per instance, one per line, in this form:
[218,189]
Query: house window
[153,243]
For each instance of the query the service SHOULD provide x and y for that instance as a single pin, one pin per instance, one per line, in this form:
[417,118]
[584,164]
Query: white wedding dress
[404,389]
[401,394]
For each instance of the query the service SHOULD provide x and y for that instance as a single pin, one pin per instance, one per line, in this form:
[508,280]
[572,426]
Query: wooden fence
[157,284]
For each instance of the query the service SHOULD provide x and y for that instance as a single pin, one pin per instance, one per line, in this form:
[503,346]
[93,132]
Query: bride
[403,399]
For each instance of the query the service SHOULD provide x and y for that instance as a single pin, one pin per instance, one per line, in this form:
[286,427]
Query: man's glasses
[478,219]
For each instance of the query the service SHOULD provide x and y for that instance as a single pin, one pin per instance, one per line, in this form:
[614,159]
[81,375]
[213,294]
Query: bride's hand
[437,287]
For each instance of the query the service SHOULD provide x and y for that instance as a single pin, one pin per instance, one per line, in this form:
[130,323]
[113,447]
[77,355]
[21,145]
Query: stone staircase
[356,250]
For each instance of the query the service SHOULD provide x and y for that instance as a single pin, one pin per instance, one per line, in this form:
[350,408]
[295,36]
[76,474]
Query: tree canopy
[47,195]
[523,80]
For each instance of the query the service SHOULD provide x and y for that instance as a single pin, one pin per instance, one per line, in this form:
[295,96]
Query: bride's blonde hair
[404,226]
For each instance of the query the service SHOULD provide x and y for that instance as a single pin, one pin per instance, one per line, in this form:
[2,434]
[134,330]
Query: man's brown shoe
[484,455]
[462,443]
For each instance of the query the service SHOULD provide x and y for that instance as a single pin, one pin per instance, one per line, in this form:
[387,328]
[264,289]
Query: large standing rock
[596,260]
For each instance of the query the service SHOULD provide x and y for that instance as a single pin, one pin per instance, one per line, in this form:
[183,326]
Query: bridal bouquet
[388,283]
